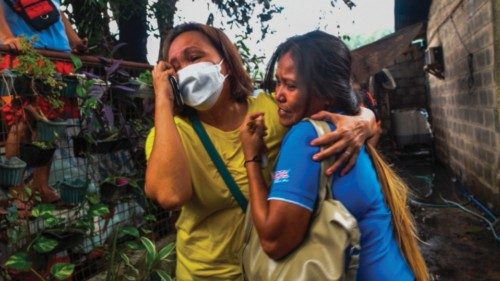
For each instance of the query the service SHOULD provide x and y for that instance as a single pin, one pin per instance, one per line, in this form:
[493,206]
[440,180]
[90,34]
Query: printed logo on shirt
[281,176]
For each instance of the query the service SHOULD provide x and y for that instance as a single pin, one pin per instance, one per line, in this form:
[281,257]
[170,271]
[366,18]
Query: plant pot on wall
[72,191]
[81,146]
[11,171]
[67,238]
[112,191]
[35,154]
[48,131]
[71,85]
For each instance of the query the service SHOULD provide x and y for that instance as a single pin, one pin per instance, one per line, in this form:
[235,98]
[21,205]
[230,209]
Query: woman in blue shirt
[313,74]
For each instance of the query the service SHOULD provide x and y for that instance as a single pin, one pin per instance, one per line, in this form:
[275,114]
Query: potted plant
[103,103]
[72,191]
[114,188]
[31,258]
[37,153]
[11,171]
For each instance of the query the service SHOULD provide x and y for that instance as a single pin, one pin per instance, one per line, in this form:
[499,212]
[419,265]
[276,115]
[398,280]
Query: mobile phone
[177,93]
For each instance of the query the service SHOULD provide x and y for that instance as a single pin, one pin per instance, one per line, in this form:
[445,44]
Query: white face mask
[201,84]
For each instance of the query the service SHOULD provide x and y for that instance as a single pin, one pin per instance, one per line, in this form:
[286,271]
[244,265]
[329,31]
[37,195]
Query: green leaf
[93,198]
[77,62]
[166,251]
[130,230]
[150,218]
[126,259]
[150,250]
[62,271]
[80,91]
[51,220]
[18,261]
[28,191]
[98,210]
[42,210]
[44,245]
[132,245]
[163,275]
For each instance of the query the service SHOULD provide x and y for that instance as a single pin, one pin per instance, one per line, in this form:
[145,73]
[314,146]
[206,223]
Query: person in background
[59,36]
[313,74]
[216,90]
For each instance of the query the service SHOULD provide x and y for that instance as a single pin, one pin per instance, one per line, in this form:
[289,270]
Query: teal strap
[212,152]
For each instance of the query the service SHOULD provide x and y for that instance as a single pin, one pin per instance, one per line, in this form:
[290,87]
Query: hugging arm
[168,180]
[346,141]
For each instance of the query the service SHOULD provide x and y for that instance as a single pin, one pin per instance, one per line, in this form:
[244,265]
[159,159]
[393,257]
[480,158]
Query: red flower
[14,112]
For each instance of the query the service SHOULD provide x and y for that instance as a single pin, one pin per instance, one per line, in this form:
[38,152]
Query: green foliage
[18,261]
[43,244]
[62,271]
[356,41]
[36,66]
[251,61]
[146,77]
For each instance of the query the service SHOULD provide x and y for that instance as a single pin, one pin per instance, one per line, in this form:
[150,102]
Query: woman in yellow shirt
[180,173]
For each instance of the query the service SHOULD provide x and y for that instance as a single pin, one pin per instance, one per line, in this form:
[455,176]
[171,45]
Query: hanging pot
[48,131]
[36,156]
[11,171]
[72,191]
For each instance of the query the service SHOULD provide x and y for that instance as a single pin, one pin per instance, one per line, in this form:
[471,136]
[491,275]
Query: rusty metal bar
[87,60]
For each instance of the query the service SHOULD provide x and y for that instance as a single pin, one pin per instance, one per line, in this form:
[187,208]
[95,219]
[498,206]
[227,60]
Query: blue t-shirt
[296,180]
[51,38]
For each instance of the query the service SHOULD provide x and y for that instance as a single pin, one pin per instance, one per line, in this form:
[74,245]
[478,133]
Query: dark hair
[322,66]
[240,83]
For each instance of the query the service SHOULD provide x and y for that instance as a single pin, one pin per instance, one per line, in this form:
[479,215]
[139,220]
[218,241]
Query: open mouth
[282,111]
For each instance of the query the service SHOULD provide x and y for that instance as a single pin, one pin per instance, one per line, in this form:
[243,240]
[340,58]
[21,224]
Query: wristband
[256,159]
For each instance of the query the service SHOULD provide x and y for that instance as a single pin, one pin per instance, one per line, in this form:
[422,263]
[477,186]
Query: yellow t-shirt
[210,226]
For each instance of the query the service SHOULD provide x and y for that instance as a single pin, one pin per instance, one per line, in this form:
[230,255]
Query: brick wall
[466,118]
[410,79]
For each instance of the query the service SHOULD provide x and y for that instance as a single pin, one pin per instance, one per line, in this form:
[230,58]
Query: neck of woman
[226,115]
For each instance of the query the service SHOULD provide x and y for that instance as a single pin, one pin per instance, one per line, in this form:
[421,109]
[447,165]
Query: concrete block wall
[465,115]
[409,75]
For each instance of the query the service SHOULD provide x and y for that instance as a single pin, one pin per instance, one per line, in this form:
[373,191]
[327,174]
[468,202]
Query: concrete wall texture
[465,105]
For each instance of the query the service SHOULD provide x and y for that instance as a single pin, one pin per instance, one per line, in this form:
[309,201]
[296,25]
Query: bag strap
[325,193]
[217,160]
[325,182]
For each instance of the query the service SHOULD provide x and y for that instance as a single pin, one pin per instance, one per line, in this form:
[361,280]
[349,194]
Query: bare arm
[281,226]
[351,133]
[6,36]
[168,180]
[77,44]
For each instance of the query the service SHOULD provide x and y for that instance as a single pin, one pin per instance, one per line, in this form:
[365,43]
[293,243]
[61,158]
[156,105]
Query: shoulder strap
[216,159]
[325,182]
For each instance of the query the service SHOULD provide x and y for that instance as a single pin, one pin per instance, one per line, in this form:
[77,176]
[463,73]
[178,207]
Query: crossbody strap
[217,160]
[325,190]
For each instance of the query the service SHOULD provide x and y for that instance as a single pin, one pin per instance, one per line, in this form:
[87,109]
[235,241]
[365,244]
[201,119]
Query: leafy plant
[37,67]
[123,260]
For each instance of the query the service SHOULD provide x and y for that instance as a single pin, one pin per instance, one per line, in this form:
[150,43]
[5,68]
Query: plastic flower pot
[36,156]
[48,131]
[72,191]
[67,238]
[81,146]
[11,171]
[23,86]
[70,89]
[113,191]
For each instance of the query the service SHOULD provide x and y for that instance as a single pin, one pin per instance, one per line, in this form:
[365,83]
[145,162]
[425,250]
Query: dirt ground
[456,245]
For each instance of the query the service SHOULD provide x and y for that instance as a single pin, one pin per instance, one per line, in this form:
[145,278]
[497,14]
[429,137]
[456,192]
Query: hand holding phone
[175,89]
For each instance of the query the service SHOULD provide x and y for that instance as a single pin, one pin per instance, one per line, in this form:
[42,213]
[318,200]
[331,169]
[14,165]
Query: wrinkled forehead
[189,40]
